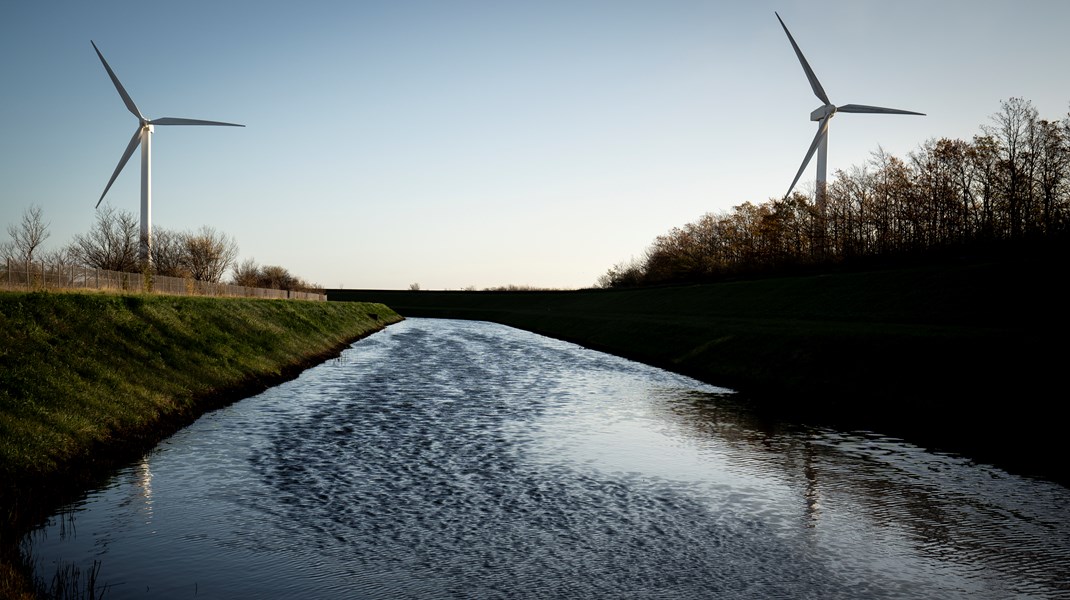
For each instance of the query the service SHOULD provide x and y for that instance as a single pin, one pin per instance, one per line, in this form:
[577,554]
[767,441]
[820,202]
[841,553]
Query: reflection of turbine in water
[144,484]
[812,494]
[745,438]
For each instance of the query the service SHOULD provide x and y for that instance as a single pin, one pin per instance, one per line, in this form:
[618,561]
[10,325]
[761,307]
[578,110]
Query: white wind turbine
[143,136]
[822,115]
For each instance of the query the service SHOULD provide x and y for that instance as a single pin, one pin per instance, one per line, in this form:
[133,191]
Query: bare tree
[276,278]
[112,243]
[27,236]
[247,273]
[209,254]
[1013,128]
[1052,149]
[168,253]
[982,158]
[61,257]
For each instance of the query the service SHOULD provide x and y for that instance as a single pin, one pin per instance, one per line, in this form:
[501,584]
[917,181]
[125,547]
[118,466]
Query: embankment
[963,356]
[87,381]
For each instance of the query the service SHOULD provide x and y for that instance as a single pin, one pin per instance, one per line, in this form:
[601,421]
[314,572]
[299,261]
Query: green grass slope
[955,356]
[82,373]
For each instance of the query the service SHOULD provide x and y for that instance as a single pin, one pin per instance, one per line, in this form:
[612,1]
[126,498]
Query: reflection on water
[461,459]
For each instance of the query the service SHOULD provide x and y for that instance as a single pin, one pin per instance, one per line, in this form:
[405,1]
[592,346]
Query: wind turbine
[143,136]
[822,115]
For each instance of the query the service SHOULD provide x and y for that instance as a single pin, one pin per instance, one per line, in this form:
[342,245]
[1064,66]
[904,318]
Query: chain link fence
[40,276]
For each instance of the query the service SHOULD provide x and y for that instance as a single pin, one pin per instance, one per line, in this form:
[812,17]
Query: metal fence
[17,275]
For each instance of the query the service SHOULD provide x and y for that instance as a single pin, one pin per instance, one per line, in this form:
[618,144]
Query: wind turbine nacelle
[822,112]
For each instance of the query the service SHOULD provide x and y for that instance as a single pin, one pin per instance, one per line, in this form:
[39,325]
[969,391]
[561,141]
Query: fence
[40,276]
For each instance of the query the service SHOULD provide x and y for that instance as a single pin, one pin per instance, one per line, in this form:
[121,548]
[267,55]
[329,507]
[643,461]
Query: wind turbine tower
[823,114]
[143,136]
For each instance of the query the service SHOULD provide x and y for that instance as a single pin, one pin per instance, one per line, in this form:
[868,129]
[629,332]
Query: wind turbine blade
[122,92]
[177,121]
[862,108]
[134,141]
[822,130]
[814,83]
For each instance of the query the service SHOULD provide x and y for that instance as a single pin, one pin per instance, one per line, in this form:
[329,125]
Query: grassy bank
[88,380]
[958,356]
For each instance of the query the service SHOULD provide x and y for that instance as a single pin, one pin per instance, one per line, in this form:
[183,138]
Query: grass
[79,371]
[69,582]
[959,356]
[88,380]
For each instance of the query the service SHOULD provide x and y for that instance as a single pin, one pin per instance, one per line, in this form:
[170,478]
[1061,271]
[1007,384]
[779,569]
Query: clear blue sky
[483,143]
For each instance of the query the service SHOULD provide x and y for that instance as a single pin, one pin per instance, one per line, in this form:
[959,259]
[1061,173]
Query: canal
[460,459]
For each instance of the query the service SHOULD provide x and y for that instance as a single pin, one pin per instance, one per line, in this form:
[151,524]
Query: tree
[208,254]
[849,200]
[1052,149]
[26,237]
[277,278]
[271,277]
[623,274]
[112,243]
[168,253]
[247,274]
[891,212]
[1013,128]
[983,160]
[937,166]
[1011,183]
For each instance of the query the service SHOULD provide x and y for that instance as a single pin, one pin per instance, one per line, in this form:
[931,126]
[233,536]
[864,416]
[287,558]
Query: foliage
[272,277]
[623,274]
[1009,184]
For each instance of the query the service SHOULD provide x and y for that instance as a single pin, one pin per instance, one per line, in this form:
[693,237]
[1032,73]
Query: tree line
[1010,183]
[112,244]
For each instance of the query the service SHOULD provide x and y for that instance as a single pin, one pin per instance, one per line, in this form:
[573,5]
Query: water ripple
[454,459]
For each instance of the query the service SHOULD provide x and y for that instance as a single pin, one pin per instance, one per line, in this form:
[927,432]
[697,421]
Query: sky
[464,143]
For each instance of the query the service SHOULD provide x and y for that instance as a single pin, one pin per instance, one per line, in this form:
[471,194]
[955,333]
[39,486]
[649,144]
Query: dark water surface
[454,459]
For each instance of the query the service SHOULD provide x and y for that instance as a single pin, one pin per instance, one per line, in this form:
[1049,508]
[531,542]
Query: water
[454,459]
